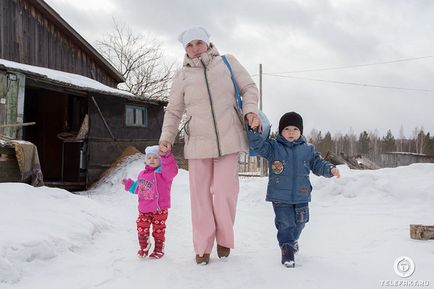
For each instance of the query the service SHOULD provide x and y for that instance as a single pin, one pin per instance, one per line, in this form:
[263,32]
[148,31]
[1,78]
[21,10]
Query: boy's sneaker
[223,251]
[288,256]
[202,259]
[295,246]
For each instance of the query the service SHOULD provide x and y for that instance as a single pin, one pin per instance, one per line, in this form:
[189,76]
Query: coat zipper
[212,109]
[158,193]
[293,177]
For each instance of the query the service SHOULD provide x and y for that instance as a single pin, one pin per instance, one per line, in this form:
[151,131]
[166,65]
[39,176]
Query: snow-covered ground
[50,238]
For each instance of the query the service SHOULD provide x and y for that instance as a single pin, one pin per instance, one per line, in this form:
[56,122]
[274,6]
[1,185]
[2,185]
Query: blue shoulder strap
[264,120]
[237,93]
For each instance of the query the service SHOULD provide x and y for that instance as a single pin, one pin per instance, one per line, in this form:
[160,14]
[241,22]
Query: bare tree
[315,136]
[421,140]
[140,60]
[401,138]
[375,152]
[338,143]
[352,138]
[416,139]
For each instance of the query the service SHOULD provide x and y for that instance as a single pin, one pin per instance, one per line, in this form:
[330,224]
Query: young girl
[291,159]
[153,189]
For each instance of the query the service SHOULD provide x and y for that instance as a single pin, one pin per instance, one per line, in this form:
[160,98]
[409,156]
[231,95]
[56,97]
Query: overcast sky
[382,52]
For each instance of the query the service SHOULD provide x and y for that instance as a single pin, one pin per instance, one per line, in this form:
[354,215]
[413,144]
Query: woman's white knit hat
[195,33]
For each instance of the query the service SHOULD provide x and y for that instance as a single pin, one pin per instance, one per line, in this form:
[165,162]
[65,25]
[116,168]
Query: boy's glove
[127,183]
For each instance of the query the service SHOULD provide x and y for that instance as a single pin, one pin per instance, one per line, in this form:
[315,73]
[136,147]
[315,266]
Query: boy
[290,159]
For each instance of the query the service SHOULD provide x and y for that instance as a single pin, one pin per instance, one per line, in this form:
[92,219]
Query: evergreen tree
[326,144]
[421,141]
[347,145]
[364,143]
[430,146]
[389,142]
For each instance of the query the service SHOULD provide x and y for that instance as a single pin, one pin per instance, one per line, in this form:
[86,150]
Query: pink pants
[214,187]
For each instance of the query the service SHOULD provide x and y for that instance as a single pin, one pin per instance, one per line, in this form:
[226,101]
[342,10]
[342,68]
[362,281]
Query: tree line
[371,144]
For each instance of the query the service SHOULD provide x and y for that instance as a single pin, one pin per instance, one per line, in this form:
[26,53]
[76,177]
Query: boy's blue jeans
[290,220]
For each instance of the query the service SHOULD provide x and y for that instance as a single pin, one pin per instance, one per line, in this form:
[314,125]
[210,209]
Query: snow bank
[39,224]
[403,184]
[112,182]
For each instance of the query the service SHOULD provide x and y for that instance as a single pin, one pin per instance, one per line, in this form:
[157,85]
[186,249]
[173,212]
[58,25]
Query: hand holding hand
[254,121]
[164,147]
[335,172]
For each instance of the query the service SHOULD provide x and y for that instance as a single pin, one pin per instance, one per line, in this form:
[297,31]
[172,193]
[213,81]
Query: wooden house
[396,159]
[51,76]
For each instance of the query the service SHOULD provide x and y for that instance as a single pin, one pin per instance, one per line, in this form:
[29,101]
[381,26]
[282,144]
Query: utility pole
[261,160]
[260,86]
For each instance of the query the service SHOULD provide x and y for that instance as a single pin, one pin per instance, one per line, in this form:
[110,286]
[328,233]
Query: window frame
[135,119]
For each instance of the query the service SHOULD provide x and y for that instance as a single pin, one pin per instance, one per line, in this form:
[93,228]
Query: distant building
[396,159]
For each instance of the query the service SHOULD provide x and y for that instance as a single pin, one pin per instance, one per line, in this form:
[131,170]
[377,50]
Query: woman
[214,136]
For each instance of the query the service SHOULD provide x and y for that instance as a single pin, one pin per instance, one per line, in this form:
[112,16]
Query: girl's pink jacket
[153,185]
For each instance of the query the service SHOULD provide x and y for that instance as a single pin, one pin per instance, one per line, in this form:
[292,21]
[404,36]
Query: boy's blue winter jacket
[289,166]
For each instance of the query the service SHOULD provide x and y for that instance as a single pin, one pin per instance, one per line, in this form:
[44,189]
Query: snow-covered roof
[408,153]
[65,79]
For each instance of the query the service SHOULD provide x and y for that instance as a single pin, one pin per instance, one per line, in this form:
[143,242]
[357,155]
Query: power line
[351,83]
[354,65]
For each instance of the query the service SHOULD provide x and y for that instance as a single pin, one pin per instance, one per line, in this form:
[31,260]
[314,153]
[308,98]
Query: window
[136,116]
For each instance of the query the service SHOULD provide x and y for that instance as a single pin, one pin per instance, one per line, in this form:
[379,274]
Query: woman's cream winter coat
[213,126]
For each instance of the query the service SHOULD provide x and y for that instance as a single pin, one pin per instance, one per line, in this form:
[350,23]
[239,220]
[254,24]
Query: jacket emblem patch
[277,167]
[145,189]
